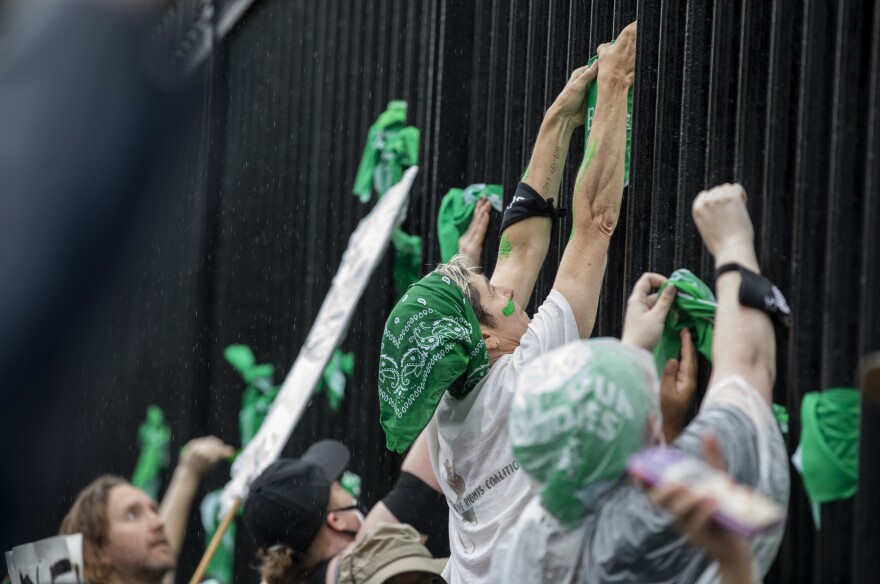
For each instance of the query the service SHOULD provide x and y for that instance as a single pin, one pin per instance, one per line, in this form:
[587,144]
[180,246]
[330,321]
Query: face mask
[358,512]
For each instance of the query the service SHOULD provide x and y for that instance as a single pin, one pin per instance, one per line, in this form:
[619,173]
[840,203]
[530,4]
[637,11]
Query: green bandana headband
[694,309]
[456,211]
[580,411]
[830,444]
[432,343]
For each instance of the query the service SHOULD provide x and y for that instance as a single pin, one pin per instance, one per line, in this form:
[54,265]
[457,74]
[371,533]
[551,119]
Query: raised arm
[599,188]
[524,244]
[744,342]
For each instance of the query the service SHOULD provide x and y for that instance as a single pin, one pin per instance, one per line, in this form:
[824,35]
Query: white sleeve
[553,326]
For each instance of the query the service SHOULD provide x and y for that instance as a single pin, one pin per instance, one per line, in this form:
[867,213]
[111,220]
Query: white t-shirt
[470,450]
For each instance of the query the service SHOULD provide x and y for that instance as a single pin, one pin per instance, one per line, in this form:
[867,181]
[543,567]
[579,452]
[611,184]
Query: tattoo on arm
[554,166]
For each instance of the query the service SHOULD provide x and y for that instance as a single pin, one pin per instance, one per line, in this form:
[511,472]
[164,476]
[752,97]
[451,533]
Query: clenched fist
[723,220]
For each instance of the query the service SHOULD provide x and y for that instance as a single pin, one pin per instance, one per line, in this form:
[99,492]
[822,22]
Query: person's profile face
[136,541]
[510,320]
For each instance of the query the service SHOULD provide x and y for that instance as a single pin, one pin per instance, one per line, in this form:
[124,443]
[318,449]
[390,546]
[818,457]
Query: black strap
[527,203]
[756,291]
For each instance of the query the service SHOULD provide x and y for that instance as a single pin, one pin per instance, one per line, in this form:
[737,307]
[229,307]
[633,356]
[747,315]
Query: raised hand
[646,315]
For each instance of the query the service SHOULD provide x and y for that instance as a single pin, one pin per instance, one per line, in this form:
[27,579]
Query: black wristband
[413,501]
[756,291]
[528,203]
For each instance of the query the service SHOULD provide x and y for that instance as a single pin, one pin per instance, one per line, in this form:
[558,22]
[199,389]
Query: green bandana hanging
[258,397]
[390,148]
[221,567]
[154,435]
[407,267]
[592,98]
[456,211]
[340,367]
[830,444]
[580,412]
[432,343]
[693,309]
[260,391]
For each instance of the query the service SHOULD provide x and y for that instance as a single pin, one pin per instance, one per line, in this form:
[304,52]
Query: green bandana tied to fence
[339,368]
[432,343]
[828,456]
[580,411]
[154,435]
[258,397]
[391,147]
[592,97]
[693,309]
[407,268]
[456,211]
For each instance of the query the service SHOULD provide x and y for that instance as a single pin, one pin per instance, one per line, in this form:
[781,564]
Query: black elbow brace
[412,501]
[528,203]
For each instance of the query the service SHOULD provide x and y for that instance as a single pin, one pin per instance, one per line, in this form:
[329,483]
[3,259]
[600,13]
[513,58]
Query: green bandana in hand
[456,211]
[830,444]
[578,414]
[693,309]
[154,435]
[339,368]
[592,97]
[432,343]
[407,268]
[390,148]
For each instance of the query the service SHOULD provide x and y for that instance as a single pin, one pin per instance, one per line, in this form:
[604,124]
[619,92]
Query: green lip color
[508,310]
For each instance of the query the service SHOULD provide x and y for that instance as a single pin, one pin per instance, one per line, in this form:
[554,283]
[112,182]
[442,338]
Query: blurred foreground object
[86,102]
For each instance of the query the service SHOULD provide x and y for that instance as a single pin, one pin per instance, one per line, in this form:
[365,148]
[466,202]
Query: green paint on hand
[508,310]
[504,248]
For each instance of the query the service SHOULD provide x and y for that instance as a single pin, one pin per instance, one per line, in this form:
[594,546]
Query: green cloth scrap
[830,444]
[351,483]
[338,370]
[391,147]
[693,309]
[431,344]
[259,393]
[222,564]
[592,97]
[154,435]
[456,211]
[407,268]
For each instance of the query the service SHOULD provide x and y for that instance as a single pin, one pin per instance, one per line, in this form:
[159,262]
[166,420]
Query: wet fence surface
[241,243]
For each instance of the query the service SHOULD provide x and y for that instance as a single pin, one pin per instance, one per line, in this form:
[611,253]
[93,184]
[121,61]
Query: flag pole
[215,542]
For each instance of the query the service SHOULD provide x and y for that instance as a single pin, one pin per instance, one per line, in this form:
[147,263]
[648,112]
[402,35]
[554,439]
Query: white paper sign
[365,250]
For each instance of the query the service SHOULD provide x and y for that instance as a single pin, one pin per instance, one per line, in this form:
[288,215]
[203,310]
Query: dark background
[241,241]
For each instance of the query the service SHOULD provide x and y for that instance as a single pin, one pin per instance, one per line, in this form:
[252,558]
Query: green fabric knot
[338,370]
[391,147]
[259,393]
[830,444]
[456,211]
[154,435]
[694,309]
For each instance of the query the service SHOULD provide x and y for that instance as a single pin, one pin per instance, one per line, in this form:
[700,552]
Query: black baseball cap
[288,501]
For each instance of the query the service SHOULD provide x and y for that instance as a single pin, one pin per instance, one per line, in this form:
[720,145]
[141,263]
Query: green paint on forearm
[508,310]
[526,173]
[588,158]
[504,248]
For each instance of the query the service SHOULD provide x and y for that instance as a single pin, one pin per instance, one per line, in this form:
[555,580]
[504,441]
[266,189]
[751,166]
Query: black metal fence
[779,95]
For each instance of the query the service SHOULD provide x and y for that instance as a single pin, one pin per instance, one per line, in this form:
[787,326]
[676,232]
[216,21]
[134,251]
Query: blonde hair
[461,270]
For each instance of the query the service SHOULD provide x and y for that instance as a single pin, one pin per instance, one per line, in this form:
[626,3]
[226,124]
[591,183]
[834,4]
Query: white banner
[365,249]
